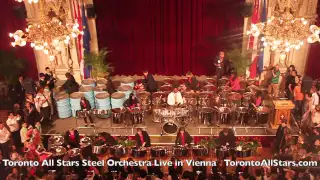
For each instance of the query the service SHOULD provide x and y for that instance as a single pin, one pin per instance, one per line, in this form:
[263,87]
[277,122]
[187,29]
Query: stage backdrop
[167,37]
[313,63]
[9,22]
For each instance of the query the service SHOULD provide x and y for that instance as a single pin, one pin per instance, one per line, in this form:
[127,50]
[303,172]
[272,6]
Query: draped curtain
[312,68]
[9,22]
[167,37]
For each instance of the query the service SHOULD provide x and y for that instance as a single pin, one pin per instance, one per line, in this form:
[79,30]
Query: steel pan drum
[206,115]
[199,150]
[56,141]
[74,154]
[235,98]
[190,98]
[211,81]
[58,151]
[137,115]
[158,151]
[225,115]
[86,146]
[243,153]
[252,88]
[205,99]
[246,98]
[222,152]
[166,88]
[138,152]
[180,151]
[159,98]
[118,150]
[262,114]
[242,115]
[223,81]
[118,115]
[170,128]
[168,81]
[100,149]
[210,87]
[144,98]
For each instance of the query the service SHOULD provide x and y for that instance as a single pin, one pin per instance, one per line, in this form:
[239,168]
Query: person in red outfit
[183,137]
[72,138]
[142,138]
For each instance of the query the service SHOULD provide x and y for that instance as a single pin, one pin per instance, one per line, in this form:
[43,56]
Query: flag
[253,41]
[77,16]
[86,39]
[263,19]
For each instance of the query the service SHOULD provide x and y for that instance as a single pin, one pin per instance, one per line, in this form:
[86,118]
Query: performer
[109,86]
[274,86]
[4,141]
[149,82]
[131,102]
[142,138]
[70,86]
[72,138]
[106,138]
[219,64]
[227,138]
[183,137]
[14,127]
[234,82]
[175,98]
[281,134]
[49,78]
[85,111]
[256,100]
[43,106]
[192,82]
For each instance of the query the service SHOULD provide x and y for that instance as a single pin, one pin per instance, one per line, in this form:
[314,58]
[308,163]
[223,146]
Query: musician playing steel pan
[175,98]
[191,82]
[85,111]
[255,102]
[227,141]
[132,104]
[142,138]
[183,137]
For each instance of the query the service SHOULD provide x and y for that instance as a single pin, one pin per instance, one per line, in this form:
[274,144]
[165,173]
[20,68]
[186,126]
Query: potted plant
[11,66]
[126,141]
[239,60]
[251,143]
[97,62]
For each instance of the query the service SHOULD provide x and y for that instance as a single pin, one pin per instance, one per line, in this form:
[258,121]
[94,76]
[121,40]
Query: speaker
[247,9]
[90,11]
[306,84]
[19,11]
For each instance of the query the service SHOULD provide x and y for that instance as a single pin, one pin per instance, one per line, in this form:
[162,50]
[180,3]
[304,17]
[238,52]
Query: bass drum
[170,128]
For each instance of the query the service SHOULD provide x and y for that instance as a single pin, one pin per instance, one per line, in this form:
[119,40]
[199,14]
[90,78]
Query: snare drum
[137,116]
[138,152]
[200,150]
[158,151]
[118,150]
[180,151]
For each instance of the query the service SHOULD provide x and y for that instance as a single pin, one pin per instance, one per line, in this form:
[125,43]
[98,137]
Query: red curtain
[10,23]
[312,67]
[168,37]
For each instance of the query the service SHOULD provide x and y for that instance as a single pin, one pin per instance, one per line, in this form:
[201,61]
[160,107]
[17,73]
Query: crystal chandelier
[315,30]
[282,33]
[51,32]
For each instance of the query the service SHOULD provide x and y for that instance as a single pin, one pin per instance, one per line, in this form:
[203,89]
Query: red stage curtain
[10,23]
[168,37]
[312,67]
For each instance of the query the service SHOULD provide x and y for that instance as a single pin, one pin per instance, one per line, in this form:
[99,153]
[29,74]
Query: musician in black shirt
[183,137]
[85,111]
[142,138]
[149,82]
[227,140]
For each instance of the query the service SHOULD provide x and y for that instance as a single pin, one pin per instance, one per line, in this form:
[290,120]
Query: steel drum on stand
[127,81]
[103,104]
[101,82]
[126,89]
[117,100]
[75,102]
[88,82]
[99,89]
[63,105]
[144,99]
[88,94]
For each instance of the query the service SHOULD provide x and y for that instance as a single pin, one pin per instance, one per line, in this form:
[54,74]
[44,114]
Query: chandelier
[50,33]
[282,33]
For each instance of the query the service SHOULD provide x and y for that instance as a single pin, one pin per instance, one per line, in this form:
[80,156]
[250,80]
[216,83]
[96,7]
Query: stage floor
[155,129]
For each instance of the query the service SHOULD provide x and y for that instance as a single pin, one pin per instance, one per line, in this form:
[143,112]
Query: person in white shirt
[23,133]
[314,98]
[42,102]
[13,124]
[4,141]
[175,98]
